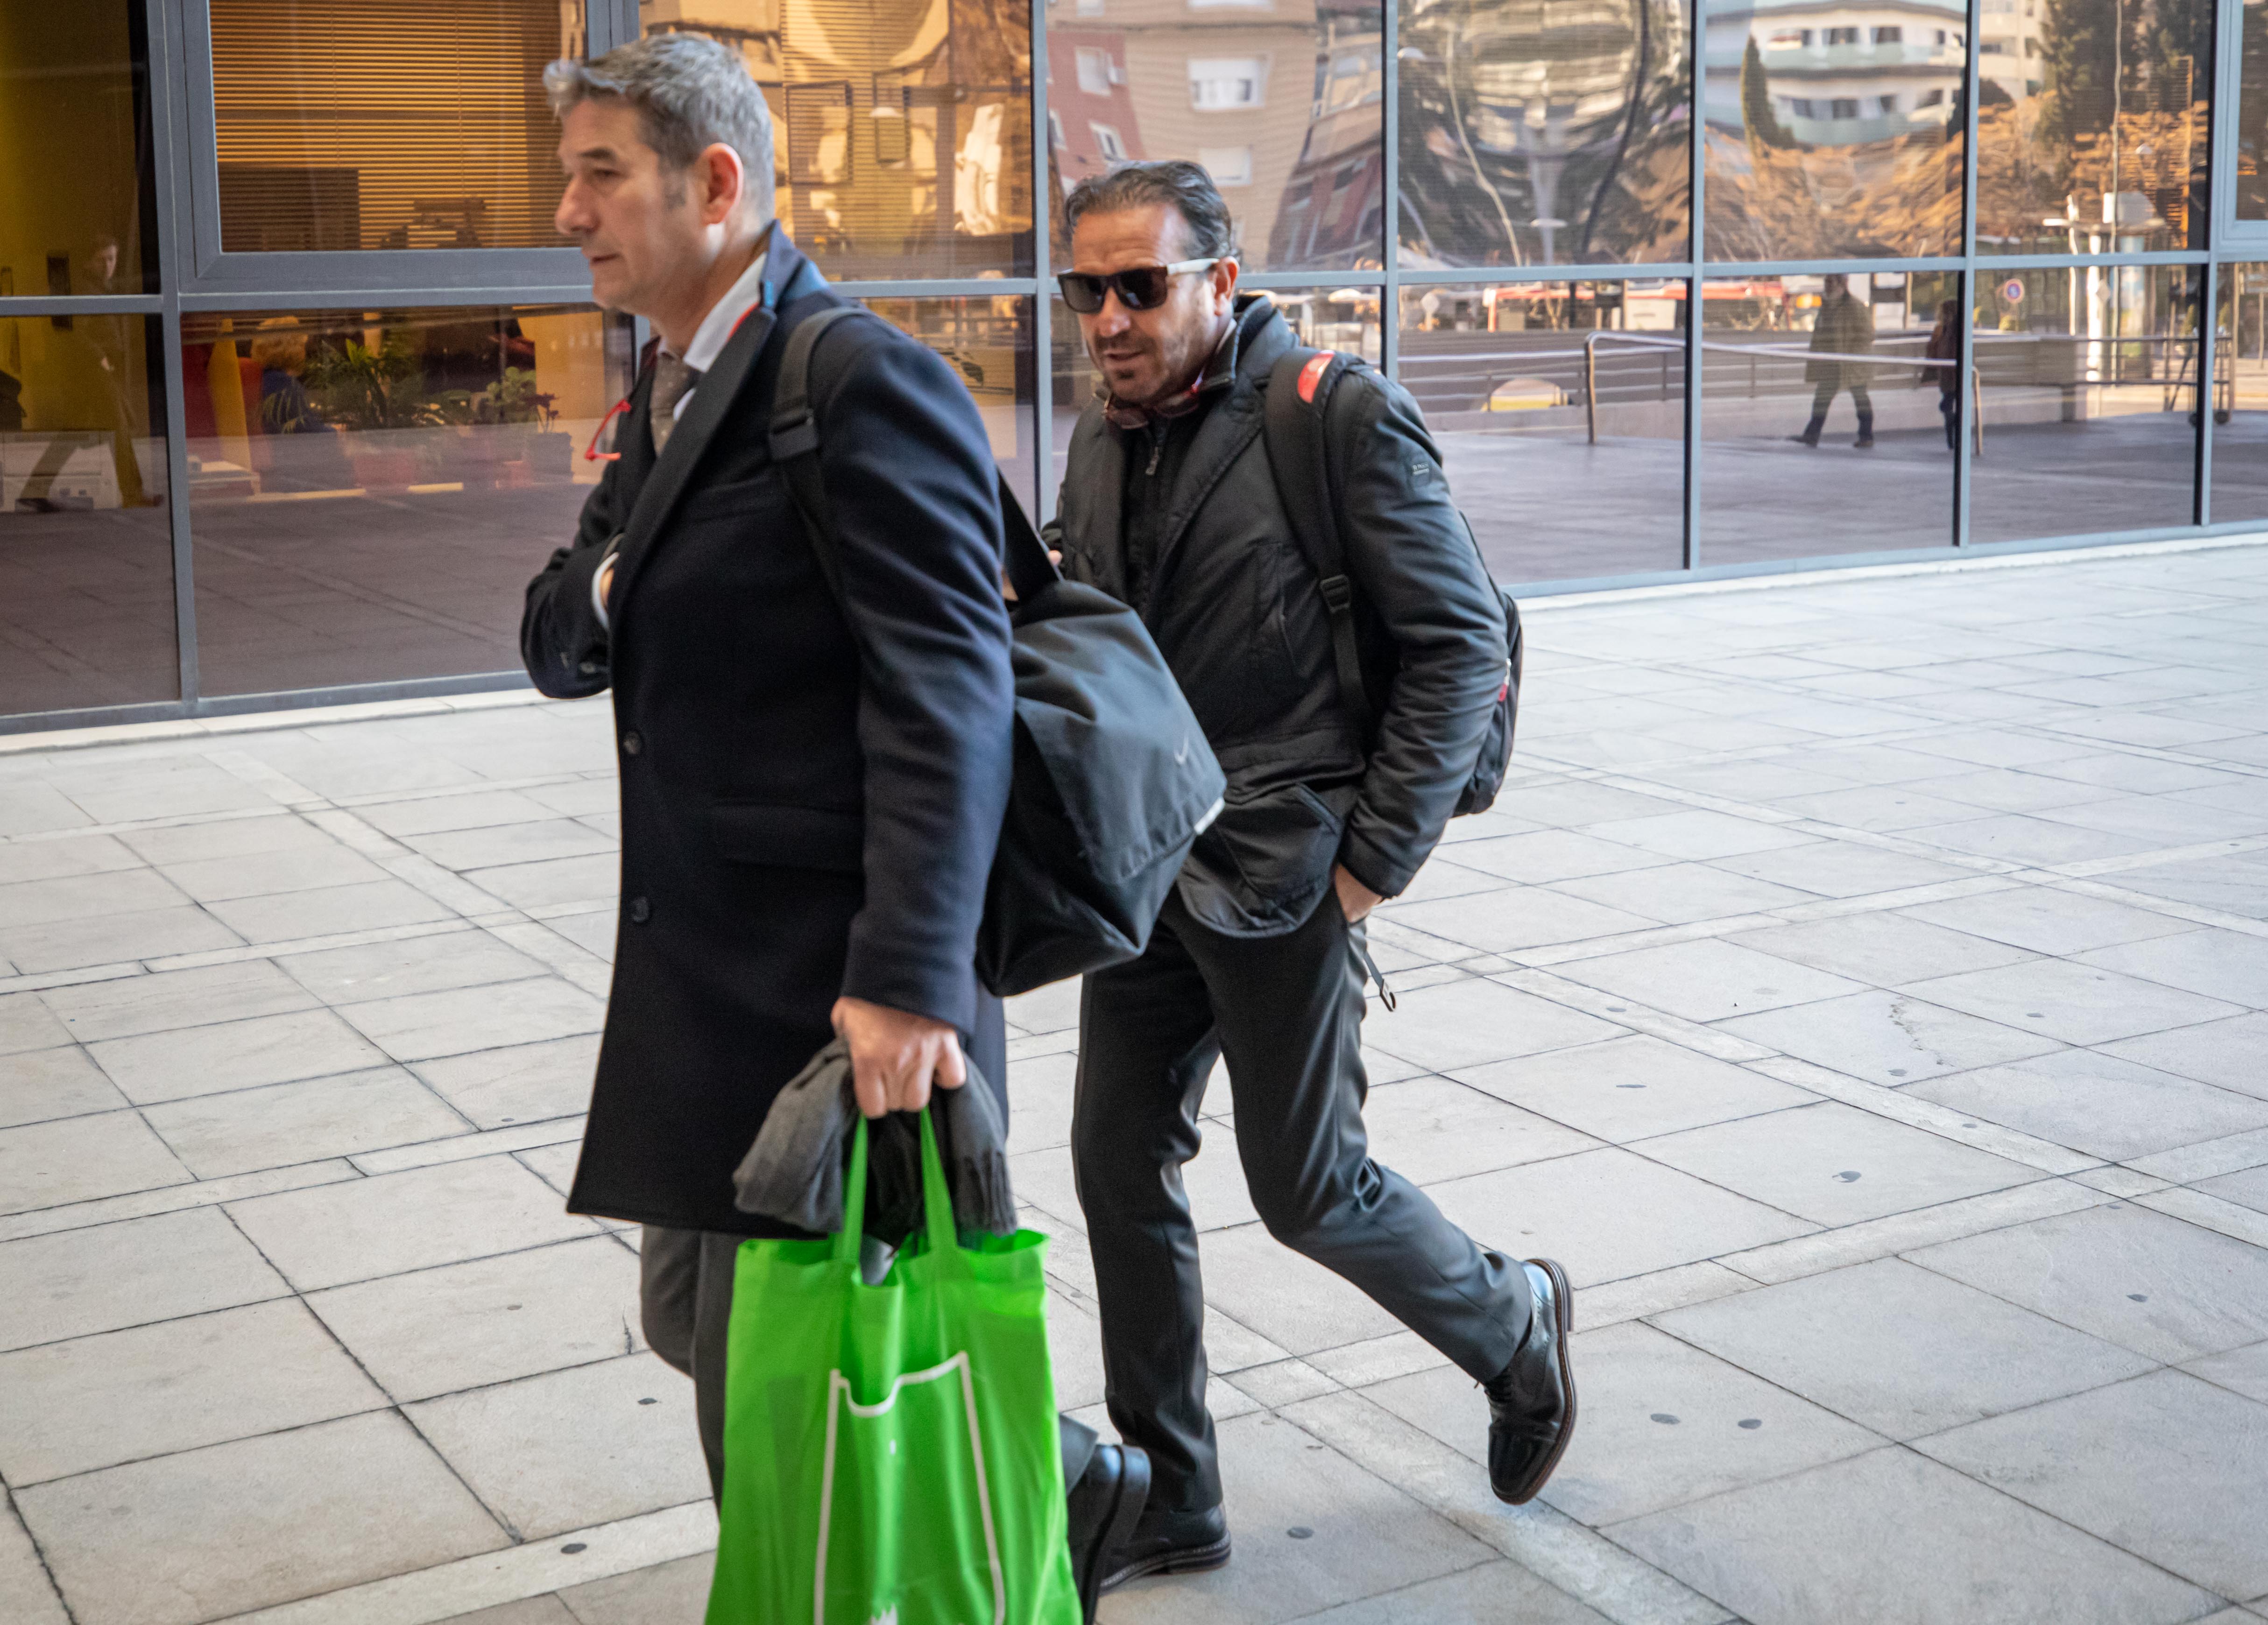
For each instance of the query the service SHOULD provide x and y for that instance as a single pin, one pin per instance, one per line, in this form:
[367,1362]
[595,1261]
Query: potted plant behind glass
[527,450]
[372,395]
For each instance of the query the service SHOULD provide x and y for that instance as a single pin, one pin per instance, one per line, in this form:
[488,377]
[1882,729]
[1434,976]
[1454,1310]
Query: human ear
[722,182]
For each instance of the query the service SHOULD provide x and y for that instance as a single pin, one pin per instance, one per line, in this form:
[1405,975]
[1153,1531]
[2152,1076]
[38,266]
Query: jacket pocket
[1262,867]
[787,837]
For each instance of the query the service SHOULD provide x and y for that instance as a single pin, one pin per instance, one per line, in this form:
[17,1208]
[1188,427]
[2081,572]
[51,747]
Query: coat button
[632,744]
[641,911]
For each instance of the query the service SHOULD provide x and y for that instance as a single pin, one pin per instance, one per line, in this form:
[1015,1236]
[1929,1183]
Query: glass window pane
[1544,132]
[2240,416]
[989,341]
[76,211]
[901,132]
[1821,427]
[86,550]
[1831,137]
[2087,379]
[371,490]
[1283,101]
[343,124]
[2091,129]
[1560,412]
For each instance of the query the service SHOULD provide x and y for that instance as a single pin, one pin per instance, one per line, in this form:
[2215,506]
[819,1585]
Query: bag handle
[854,1199]
[937,1195]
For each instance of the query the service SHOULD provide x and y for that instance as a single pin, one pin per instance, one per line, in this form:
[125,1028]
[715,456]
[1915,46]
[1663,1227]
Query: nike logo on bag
[1183,755]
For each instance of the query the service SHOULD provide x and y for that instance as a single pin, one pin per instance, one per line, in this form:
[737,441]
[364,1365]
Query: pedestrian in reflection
[1945,345]
[1845,329]
[1170,505]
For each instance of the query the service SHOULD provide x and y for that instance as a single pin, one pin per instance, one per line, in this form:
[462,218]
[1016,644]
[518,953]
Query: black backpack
[1114,779]
[1301,439]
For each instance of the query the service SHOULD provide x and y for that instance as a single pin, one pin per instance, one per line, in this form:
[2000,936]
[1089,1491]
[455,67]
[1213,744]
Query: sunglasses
[1143,288]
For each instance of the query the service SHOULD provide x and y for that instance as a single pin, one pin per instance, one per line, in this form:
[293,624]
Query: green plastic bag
[891,1452]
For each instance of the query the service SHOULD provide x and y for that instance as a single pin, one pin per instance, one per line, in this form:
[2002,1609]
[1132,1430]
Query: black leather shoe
[1171,1543]
[1106,1505]
[1532,1400]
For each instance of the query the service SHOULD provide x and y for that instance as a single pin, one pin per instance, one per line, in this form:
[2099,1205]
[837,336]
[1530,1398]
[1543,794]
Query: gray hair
[690,93]
[1184,185]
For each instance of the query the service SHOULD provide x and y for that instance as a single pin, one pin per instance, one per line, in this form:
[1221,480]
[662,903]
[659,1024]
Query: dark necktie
[672,379]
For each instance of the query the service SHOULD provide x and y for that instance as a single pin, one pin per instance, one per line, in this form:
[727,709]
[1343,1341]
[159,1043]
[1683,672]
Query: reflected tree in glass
[2092,125]
[1544,132]
[1835,131]
[2239,417]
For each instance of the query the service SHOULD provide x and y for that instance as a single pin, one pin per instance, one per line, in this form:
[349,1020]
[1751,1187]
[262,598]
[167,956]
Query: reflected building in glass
[1544,132]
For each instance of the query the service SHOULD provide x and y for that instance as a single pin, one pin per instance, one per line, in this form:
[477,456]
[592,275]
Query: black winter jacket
[1237,613]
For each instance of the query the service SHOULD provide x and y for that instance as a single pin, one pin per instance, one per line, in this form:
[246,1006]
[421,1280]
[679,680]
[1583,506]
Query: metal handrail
[1591,341]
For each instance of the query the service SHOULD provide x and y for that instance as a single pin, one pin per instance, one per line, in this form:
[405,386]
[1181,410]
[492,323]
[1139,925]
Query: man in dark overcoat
[812,789]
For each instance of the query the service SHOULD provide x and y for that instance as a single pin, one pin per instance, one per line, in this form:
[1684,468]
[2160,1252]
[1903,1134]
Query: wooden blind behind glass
[387,124]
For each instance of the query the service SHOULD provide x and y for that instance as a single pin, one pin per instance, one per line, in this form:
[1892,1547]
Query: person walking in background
[1169,505]
[811,790]
[1844,328]
[1945,345]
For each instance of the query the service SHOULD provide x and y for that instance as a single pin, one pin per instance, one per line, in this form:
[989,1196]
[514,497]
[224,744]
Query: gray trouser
[1286,1012]
[685,1300]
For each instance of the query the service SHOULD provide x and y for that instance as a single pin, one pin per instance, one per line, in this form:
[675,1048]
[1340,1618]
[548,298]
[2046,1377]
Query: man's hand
[606,585]
[895,1054]
[1356,900]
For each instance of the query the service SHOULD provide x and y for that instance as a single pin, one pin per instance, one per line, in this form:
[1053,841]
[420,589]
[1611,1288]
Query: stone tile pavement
[1863,987]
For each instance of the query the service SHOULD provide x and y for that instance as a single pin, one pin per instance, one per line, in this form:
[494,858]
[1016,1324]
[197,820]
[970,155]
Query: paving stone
[26,1595]
[552,880]
[217,1135]
[76,1283]
[2096,1103]
[50,860]
[2166,1289]
[1696,834]
[1295,1303]
[1534,916]
[1472,1020]
[1885,950]
[47,1083]
[1051,1008]
[546,1610]
[457,958]
[1492,1593]
[305,868]
[236,1055]
[113,939]
[1888,1038]
[522,1083]
[1430,1129]
[2166,1466]
[2226,1054]
[462,850]
[362,1229]
[2222,965]
[253,1523]
[423,1026]
[574,1447]
[328,911]
[26,1024]
[1366,1537]
[93,1402]
[1552,855]
[258,836]
[478,809]
[125,1007]
[2005,791]
[1834,1164]
[80,1158]
[2248,1188]
[1630,1088]
[84,896]
[1899,1349]
[670,1593]
[1682,894]
[1040,1092]
[1661,1423]
[2076,1002]
[1842,869]
[1607,1214]
[1879,808]
[1782,1554]
[1707,980]
[2020,838]
[2241,1371]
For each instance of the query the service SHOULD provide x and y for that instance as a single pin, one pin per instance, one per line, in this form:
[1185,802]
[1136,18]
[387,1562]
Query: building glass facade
[298,385]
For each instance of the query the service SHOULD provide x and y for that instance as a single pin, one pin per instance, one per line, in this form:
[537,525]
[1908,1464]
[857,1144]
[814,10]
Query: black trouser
[1824,396]
[1286,1012]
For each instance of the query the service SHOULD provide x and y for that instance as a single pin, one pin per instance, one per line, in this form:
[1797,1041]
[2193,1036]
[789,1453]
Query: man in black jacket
[810,799]
[1169,504]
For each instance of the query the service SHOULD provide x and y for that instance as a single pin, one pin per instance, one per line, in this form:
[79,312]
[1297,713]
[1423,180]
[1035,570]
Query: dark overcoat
[805,812]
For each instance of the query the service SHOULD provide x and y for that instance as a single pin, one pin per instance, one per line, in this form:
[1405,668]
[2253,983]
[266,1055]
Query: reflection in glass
[77,208]
[2091,129]
[1283,101]
[2086,389]
[86,554]
[902,128]
[989,341]
[343,125]
[1835,130]
[369,491]
[1820,414]
[1560,411]
[1544,132]
[2240,402]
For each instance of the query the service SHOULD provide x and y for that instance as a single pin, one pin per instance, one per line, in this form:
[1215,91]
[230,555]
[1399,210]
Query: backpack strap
[1296,427]
[795,449]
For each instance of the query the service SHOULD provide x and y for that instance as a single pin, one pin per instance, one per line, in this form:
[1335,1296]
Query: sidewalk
[1860,988]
